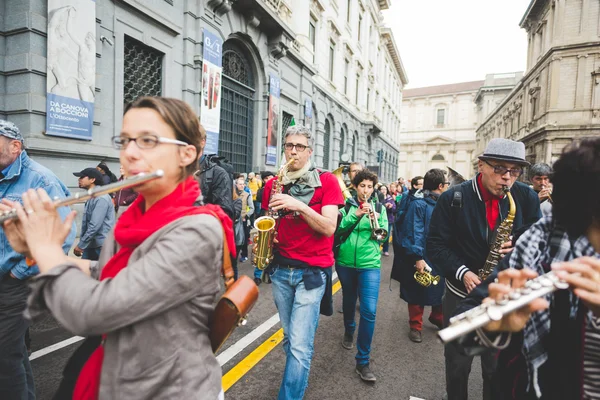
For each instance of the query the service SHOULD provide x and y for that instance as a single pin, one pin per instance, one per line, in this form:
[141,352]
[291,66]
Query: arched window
[369,145]
[438,157]
[326,143]
[342,141]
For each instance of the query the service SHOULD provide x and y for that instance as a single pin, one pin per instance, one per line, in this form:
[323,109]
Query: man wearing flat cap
[19,173]
[98,216]
[461,232]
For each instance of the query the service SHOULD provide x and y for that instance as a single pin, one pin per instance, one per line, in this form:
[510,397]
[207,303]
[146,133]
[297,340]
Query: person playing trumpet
[550,349]
[151,295]
[412,257]
[358,265]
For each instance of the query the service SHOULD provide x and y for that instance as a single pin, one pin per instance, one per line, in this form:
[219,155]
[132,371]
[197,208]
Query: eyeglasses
[299,147]
[144,142]
[447,183]
[500,170]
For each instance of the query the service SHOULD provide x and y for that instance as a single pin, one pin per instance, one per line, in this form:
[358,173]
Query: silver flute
[95,192]
[485,313]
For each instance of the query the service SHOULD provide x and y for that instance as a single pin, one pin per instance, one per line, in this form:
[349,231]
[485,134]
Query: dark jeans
[16,378]
[244,247]
[360,283]
[91,254]
[458,365]
[386,242]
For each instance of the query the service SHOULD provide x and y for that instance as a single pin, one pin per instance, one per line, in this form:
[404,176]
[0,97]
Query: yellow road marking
[236,373]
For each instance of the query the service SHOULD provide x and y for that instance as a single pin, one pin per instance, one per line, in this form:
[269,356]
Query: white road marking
[223,358]
[54,347]
[415,398]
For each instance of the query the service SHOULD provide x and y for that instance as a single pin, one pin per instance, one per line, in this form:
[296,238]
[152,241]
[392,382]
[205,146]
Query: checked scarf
[538,248]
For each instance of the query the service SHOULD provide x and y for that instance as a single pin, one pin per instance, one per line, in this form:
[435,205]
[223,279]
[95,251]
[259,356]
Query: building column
[548,159]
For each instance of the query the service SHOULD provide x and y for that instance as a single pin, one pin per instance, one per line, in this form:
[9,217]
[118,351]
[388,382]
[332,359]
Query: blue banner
[273,120]
[210,107]
[71,68]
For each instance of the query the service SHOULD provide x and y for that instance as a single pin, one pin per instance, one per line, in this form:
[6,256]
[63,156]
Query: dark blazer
[459,238]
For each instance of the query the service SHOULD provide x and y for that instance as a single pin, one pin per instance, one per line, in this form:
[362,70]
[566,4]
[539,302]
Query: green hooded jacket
[359,250]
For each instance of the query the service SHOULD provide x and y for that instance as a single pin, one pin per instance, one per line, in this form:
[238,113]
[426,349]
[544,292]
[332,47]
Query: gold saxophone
[266,226]
[502,236]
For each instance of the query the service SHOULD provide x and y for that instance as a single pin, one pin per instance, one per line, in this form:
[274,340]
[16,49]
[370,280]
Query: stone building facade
[439,122]
[334,52]
[558,99]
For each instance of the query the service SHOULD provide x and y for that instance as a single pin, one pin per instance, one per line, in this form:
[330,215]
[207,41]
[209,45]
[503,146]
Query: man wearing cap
[461,232]
[98,216]
[19,173]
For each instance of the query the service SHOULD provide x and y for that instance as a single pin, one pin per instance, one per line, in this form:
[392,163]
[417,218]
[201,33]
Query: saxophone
[502,236]
[266,226]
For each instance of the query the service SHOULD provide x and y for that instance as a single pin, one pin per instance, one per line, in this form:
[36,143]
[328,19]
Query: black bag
[74,366]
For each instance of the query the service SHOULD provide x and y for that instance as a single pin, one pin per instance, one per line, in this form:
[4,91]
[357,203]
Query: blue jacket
[415,230]
[98,220]
[22,175]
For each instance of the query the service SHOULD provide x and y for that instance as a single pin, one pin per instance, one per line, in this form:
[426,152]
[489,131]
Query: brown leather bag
[234,305]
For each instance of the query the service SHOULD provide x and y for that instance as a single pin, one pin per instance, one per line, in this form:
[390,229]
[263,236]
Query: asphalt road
[404,369]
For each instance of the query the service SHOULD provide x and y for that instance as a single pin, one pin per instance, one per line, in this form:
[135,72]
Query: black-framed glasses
[501,170]
[144,141]
[299,147]
[447,183]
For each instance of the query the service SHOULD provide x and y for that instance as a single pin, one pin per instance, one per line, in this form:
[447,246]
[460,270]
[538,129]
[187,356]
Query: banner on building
[273,121]
[71,68]
[210,109]
[308,111]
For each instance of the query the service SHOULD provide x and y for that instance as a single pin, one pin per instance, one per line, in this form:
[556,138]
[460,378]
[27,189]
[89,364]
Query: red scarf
[492,204]
[132,229]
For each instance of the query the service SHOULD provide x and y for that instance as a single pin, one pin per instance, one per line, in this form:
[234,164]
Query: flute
[95,192]
[485,313]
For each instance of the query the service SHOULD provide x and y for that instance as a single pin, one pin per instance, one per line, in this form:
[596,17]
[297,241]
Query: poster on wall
[308,113]
[273,121]
[210,108]
[71,68]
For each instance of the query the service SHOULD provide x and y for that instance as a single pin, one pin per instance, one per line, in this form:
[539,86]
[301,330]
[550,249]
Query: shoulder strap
[378,207]
[457,200]
[226,269]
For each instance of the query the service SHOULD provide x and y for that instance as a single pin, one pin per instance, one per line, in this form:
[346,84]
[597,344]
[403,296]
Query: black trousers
[458,365]
[16,378]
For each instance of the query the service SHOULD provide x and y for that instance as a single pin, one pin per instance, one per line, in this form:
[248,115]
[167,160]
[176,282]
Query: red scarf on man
[132,229]
[492,204]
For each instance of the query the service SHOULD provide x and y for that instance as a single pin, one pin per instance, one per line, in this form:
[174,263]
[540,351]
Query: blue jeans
[257,273]
[363,283]
[299,313]
[91,254]
[386,243]
[16,378]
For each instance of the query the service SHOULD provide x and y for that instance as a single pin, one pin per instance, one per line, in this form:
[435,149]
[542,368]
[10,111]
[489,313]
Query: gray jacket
[98,220]
[156,312]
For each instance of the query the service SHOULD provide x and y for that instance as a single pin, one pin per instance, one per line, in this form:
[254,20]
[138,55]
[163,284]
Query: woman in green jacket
[358,265]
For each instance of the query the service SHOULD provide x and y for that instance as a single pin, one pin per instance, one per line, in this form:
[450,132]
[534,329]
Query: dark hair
[577,167]
[415,181]
[180,117]
[433,178]
[540,169]
[364,175]
[107,171]
[265,174]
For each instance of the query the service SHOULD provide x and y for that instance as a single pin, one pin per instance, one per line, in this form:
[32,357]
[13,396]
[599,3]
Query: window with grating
[342,142]
[354,140]
[326,144]
[286,119]
[236,66]
[142,72]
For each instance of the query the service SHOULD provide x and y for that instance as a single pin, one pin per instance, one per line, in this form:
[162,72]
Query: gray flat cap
[10,130]
[505,150]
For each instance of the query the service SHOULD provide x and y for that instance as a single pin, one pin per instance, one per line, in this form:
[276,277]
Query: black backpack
[341,238]
[223,163]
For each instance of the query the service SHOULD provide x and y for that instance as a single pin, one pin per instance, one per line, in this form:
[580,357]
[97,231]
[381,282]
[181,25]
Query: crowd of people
[130,286]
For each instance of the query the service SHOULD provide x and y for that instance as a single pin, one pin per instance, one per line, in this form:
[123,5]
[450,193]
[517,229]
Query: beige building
[558,99]
[439,122]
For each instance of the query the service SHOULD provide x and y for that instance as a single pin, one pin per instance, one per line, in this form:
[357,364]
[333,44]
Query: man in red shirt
[303,256]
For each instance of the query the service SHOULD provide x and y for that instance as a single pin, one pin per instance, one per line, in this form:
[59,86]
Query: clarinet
[95,192]
[485,313]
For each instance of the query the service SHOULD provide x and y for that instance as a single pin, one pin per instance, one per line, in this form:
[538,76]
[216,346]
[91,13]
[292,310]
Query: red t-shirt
[297,240]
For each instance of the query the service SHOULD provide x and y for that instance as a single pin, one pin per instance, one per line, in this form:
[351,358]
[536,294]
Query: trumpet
[377,232]
[425,278]
[91,193]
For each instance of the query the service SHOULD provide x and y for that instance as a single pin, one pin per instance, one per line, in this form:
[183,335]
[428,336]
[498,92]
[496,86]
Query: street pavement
[404,369]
